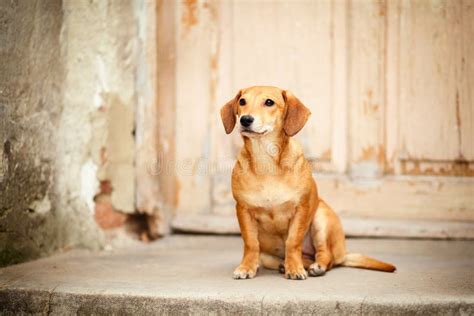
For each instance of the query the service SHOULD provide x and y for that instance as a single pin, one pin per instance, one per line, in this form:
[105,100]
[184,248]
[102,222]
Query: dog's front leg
[294,268]
[249,230]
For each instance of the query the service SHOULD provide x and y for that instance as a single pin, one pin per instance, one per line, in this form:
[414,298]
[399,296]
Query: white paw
[316,270]
[242,272]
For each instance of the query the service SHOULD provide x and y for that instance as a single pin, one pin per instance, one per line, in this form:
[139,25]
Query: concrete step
[193,275]
[353,226]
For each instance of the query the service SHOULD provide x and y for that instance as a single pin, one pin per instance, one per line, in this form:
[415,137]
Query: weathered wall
[388,84]
[67,94]
[155,143]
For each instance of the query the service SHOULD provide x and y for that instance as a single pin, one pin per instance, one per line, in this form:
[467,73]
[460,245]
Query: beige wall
[388,83]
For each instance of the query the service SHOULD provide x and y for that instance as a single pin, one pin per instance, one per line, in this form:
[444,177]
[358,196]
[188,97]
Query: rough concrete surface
[67,92]
[193,275]
[39,187]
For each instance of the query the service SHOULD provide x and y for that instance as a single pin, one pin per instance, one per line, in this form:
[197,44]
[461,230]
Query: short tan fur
[284,223]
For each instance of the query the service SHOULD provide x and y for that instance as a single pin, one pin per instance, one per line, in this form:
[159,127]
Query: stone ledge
[44,302]
[353,227]
[192,275]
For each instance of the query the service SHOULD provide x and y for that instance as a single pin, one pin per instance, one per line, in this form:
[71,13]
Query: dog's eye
[269,102]
[242,102]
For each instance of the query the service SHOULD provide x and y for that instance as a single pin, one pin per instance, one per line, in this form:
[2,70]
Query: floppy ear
[228,113]
[296,114]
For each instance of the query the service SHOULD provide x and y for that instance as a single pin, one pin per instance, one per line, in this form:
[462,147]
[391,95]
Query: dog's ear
[296,114]
[229,112]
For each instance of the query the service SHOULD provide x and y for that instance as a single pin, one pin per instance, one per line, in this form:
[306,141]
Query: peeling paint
[370,108]
[389,167]
[106,187]
[370,153]
[326,155]
[113,146]
[458,110]
[370,164]
[103,156]
[456,168]
[382,9]
[102,77]
[42,206]
[106,217]
[458,122]
[212,7]
[189,17]
[89,183]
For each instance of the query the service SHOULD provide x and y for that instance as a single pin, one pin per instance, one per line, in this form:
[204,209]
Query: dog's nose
[246,120]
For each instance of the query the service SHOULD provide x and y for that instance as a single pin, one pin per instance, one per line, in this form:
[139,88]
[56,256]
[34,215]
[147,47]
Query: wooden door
[390,86]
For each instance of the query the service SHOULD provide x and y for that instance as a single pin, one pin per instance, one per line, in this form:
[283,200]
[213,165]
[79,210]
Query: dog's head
[264,110]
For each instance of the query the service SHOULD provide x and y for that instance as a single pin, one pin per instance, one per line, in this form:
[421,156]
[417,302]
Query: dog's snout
[246,120]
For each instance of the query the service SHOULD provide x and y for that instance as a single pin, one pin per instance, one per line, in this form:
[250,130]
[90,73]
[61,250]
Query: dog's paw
[244,272]
[281,268]
[295,272]
[316,270]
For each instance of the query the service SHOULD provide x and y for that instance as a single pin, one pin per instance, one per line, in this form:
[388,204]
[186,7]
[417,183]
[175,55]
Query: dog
[284,224]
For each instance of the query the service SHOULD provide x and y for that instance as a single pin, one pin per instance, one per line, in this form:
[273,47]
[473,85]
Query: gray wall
[67,92]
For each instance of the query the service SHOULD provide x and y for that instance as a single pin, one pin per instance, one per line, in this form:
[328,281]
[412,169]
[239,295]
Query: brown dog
[280,214]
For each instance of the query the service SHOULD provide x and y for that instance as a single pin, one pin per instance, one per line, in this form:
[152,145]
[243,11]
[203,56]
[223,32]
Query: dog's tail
[356,260]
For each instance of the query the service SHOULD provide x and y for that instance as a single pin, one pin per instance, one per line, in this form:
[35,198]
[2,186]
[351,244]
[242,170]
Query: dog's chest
[270,193]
